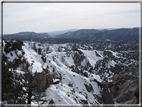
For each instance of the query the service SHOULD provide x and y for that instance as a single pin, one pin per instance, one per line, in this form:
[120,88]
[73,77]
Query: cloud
[44,17]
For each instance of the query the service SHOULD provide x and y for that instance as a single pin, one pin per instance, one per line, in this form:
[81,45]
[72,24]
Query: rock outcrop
[43,81]
[126,93]
[125,89]
[106,92]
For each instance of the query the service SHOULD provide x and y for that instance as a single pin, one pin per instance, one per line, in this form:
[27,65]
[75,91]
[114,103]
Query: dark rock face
[133,70]
[97,54]
[109,54]
[99,98]
[107,96]
[106,92]
[43,81]
[78,57]
[125,89]
[84,102]
[126,92]
[89,88]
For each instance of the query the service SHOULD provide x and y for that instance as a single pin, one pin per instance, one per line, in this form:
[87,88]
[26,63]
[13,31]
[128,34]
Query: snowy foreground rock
[75,74]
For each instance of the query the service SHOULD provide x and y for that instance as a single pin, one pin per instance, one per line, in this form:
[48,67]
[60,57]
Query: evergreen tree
[7,83]
[43,57]
[19,87]
[39,51]
[27,83]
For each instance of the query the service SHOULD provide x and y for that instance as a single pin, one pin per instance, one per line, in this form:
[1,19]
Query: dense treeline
[51,40]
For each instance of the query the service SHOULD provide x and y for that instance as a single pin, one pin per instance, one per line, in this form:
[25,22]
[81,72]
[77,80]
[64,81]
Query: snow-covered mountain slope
[77,70]
[73,88]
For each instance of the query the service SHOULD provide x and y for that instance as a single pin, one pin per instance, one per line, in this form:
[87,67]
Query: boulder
[42,81]
[39,81]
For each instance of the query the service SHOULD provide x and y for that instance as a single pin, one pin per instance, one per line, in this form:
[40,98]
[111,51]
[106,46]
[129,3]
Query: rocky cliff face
[124,89]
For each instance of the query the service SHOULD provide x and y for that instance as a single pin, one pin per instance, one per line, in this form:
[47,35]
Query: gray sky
[46,17]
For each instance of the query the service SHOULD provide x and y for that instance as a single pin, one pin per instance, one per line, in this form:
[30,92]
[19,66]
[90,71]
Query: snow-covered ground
[72,89]
[64,93]
[91,57]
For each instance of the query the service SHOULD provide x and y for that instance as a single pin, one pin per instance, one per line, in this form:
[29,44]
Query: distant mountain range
[82,35]
[122,34]
[26,35]
[54,33]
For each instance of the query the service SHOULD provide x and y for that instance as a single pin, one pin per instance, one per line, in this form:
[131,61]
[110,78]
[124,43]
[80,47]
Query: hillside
[27,36]
[92,35]
[55,33]
[72,73]
[80,36]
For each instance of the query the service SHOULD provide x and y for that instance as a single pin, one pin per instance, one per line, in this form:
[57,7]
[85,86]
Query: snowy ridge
[33,57]
[71,89]
[90,57]
[77,66]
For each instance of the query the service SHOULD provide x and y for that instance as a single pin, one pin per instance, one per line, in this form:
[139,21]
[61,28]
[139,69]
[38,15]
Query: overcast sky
[46,17]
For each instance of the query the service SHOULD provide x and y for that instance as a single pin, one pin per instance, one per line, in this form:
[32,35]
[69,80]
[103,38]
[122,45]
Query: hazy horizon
[73,29]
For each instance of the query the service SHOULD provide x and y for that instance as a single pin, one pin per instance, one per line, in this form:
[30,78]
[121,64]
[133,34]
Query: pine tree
[7,83]
[19,87]
[27,83]
[39,51]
